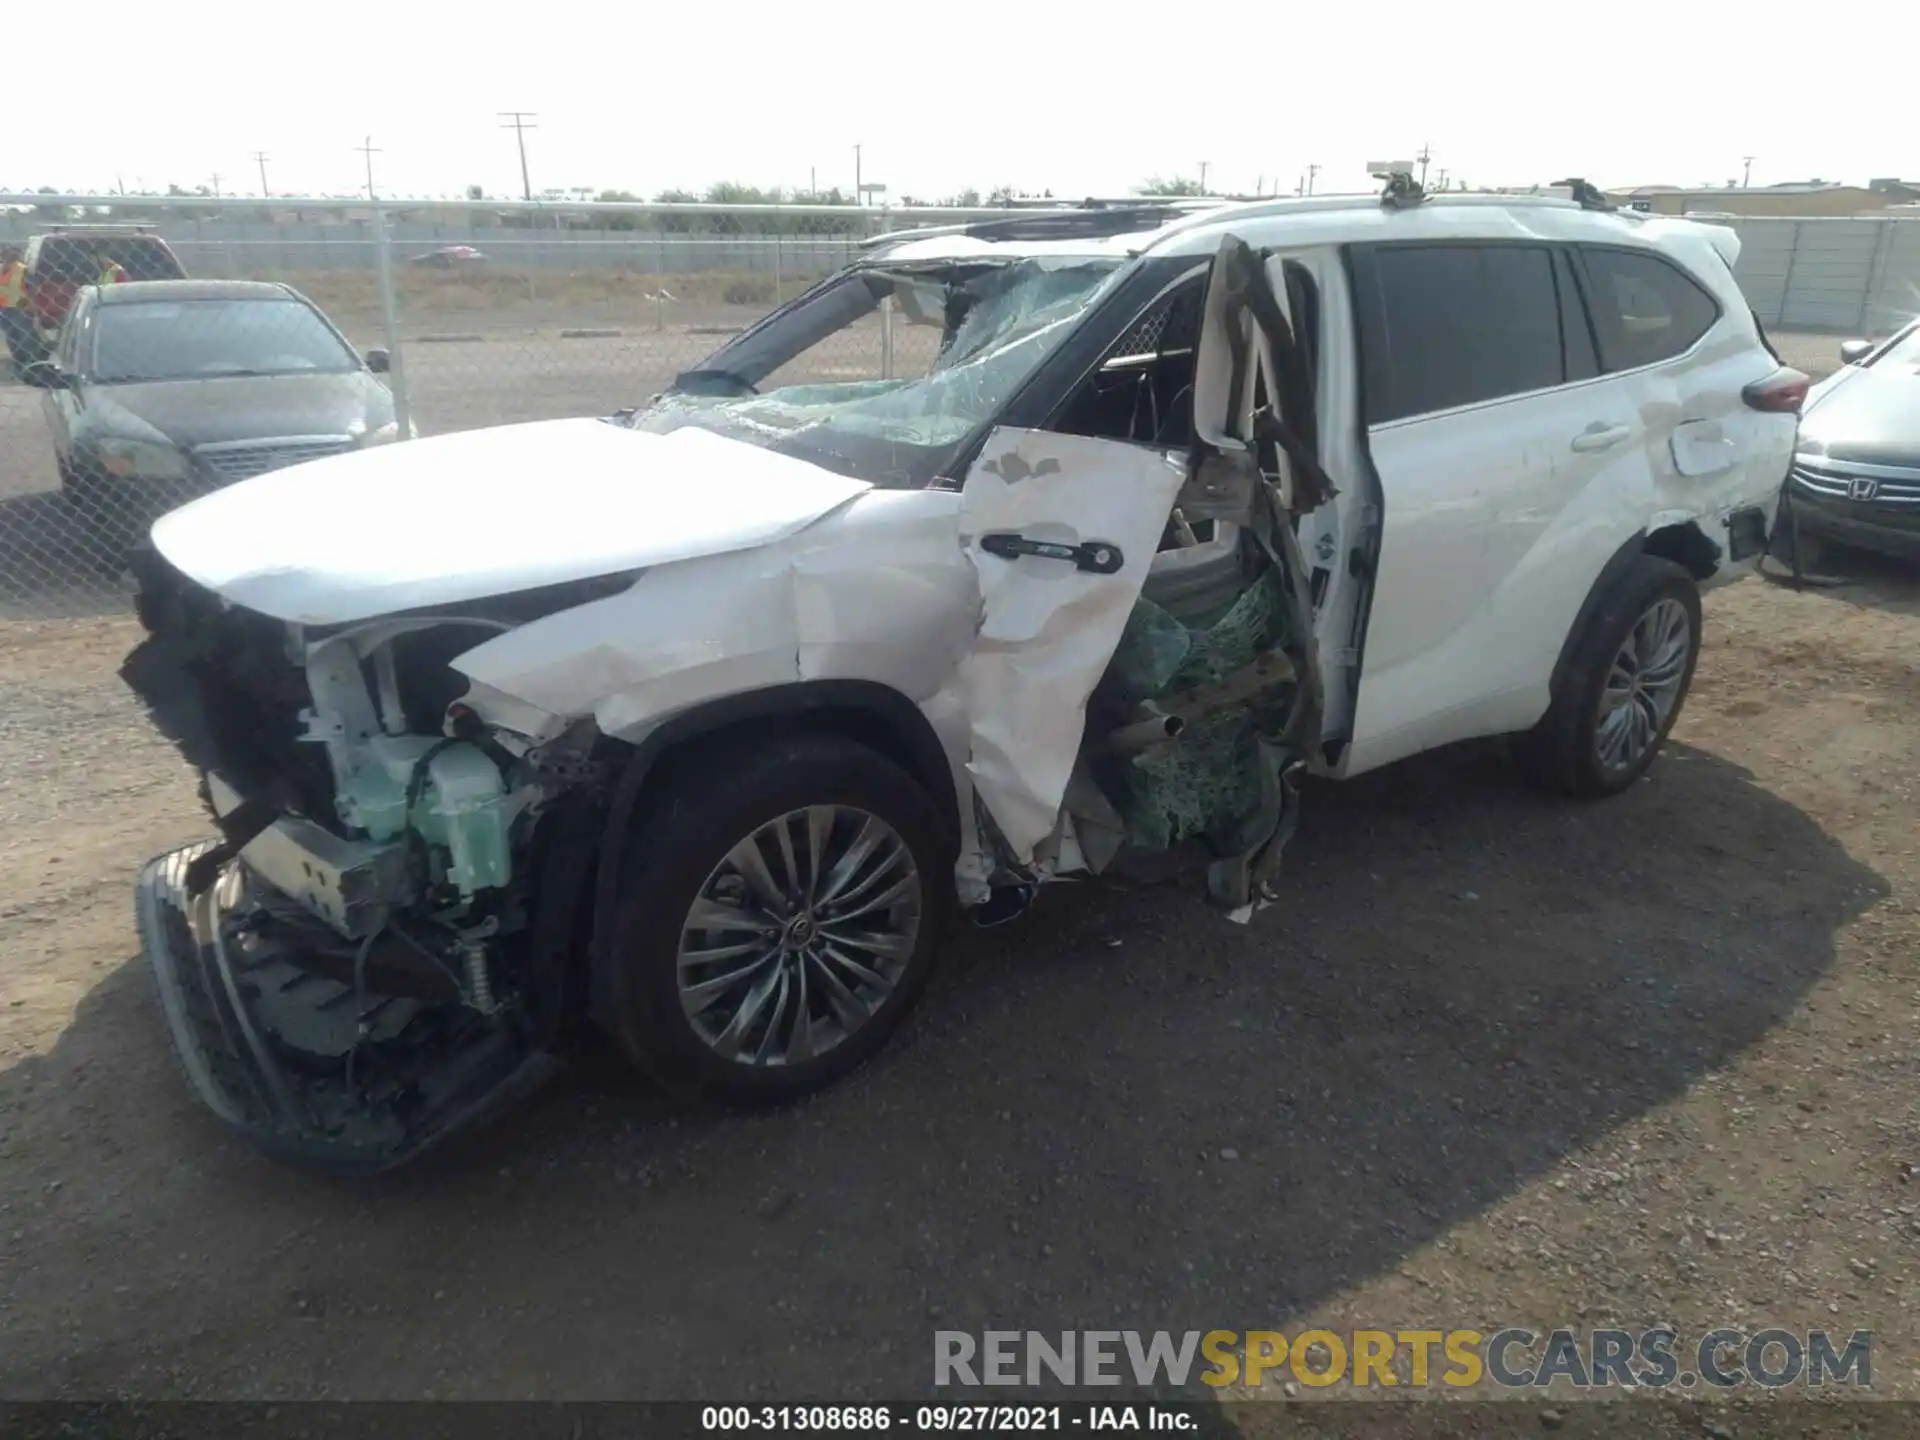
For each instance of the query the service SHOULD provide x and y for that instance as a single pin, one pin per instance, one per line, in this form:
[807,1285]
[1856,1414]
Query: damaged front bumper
[268,1038]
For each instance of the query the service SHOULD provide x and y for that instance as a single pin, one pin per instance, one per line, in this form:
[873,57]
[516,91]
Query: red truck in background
[60,261]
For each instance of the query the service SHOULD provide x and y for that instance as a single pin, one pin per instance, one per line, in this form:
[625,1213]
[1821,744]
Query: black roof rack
[1586,194]
[1398,189]
[1091,221]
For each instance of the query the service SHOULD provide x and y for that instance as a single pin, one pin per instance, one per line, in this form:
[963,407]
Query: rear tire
[1625,683]
[731,1027]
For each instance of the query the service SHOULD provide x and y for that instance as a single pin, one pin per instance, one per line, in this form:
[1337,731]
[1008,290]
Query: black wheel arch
[866,711]
[1684,543]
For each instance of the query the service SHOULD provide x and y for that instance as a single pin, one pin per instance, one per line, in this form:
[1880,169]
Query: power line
[368,149]
[260,158]
[521,121]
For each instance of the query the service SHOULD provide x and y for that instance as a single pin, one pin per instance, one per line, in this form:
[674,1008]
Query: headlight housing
[141,459]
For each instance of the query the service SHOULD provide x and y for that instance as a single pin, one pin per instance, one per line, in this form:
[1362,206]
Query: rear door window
[64,261]
[146,259]
[1442,326]
[1646,309]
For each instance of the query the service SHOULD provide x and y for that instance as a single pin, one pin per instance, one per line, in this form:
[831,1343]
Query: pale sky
[1087,98]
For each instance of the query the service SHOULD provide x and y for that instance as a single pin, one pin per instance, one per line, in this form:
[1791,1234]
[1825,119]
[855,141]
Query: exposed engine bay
[368,963]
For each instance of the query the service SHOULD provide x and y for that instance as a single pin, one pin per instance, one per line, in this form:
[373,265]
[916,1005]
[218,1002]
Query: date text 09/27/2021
[960,1418]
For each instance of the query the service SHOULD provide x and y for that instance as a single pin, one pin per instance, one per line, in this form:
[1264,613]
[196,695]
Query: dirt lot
[1497,1059]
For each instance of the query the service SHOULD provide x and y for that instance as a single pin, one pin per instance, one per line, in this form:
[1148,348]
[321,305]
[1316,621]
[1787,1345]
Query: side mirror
[379,361]
[43,375]
[1852,352]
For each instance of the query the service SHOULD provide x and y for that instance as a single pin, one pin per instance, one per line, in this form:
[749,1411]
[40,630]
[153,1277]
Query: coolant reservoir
[466,796]
[462,807]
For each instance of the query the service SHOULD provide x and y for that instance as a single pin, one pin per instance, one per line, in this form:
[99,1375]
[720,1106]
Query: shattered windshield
[885,372]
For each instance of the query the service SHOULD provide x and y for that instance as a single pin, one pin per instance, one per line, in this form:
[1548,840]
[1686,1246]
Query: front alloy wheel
[799,936]
[781,904]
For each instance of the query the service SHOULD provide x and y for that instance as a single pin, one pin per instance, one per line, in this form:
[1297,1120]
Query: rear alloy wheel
[784,902]
[1643,687]
[1623,687]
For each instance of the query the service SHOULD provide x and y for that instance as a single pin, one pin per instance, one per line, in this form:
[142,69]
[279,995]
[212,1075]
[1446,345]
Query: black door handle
[1096,557]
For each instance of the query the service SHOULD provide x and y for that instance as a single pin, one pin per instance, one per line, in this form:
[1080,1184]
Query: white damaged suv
[1016,549]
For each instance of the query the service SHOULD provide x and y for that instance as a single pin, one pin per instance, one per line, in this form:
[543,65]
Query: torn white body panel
[487,512]
[892,588]
[879,591]
[1049,626]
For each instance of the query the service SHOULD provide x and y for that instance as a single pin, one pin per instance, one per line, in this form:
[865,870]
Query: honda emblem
[1862,489]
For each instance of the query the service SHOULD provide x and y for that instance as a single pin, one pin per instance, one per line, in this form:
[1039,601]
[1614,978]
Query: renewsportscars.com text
[1512,1358]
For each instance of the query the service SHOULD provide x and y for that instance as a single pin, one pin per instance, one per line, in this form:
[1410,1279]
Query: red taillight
[1781,393]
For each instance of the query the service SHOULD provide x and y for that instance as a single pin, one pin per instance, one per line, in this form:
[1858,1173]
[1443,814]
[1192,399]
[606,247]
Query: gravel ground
[1495,1060]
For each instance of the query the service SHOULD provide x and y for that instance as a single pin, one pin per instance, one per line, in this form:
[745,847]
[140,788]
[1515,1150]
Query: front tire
[106,527]
[782,903]
[1624,685]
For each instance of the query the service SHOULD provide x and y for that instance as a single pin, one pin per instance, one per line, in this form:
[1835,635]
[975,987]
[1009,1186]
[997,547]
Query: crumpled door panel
[1050,623]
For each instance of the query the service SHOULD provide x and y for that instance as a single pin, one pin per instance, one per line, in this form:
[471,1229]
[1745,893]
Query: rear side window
[147,260]
[1449,325]
[1645,309]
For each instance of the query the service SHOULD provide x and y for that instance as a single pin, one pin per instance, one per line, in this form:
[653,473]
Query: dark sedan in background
[1856,469]
[161,391]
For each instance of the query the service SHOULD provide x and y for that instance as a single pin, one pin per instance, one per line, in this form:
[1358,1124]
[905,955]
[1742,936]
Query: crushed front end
[374,955]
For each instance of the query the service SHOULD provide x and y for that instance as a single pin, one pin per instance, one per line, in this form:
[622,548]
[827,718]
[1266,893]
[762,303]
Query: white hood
[487,512]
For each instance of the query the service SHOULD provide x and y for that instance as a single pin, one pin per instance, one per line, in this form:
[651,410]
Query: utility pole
[215,177]
[1426,154]
[859,195]
[1312,170]
[521,121]
[260,158]
[813,181]
[1203,177]
[1746,175]
[367,149]
[1443,182]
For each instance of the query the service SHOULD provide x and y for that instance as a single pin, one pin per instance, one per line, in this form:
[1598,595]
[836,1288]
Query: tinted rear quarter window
[1449,325]
[1645,309]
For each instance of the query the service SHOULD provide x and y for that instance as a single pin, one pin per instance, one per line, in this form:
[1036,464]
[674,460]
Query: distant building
[1792,199]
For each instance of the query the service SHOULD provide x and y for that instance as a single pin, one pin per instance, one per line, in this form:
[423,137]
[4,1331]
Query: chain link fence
[120,402]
